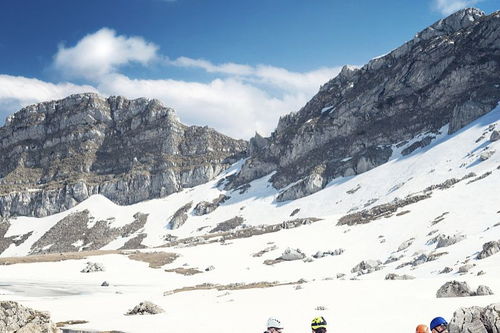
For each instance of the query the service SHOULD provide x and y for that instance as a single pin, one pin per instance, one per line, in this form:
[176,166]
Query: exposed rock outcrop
[228,225]
[367,266]
[461,289]
[92,267]
[292,254]
[16,318]
[368,215]
[393,276]
[145,308]
[205,207]
[489,249]
[495,136]
[444,240]
[454,289]
[322,254]
[405,245]
[445,75]
[79,231]
[180,216]
[476,319]
[56,154]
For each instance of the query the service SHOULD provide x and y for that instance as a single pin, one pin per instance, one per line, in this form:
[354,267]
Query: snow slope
[354,303]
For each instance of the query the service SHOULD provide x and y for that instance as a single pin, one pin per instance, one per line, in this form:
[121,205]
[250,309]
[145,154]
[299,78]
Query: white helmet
[274,322]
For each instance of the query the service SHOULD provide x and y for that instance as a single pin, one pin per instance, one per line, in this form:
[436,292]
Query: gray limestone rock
[393,276]
[367,266]
[311,184]
[484,291]
[405,245]
[446,270]
[392,258]
[292,254]
[205,207]
[16,318]
[489,249]
[454,289]
[444,240]
[465,268]
[92,267]
[486,155]
[180,216]
[449,25]
[322,254]
[476,320]
[228,225]
[145,308]
[445,75]
[58,153]
[495,136]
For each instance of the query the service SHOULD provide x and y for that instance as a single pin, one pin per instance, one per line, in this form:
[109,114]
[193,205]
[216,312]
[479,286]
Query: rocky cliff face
[448,74]
[56,154]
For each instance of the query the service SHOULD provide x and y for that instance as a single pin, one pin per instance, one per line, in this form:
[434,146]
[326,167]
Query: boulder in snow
[454,289]
[367,266]
[484,291]
[405,245]
[489,248]
[321,254]
[465,268]
[93,267]
[446,270]
[145,308]
[292,254]
[486,154]
[495,135]
[393,276]
[443,240]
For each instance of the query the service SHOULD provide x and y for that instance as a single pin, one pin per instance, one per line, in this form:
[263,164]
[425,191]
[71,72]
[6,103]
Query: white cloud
[447,7]
[228,68]
[278,78]
[239,101]
[102,53]
[17,92]
[229,105]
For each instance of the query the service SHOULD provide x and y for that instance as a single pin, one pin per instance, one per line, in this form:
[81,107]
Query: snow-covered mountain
[425,215]
[366,245]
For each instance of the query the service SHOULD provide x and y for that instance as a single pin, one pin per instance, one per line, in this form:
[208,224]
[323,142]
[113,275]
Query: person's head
[318,325]
[439,325]
[274,325]
[422,329]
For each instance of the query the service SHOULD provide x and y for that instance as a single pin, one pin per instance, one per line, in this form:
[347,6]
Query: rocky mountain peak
[456,21]
[447,75]
[60,152]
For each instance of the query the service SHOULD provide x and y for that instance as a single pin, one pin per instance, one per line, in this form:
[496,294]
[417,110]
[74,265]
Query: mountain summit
[448,74]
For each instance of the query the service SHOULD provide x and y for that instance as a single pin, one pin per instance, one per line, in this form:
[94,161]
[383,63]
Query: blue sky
[233,65]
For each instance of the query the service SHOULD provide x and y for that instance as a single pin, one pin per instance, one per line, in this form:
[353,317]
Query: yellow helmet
[318,322]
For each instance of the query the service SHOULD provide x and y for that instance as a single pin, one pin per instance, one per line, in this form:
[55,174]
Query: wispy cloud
[238,101]
[102,53]
[447,7]
[278,78]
